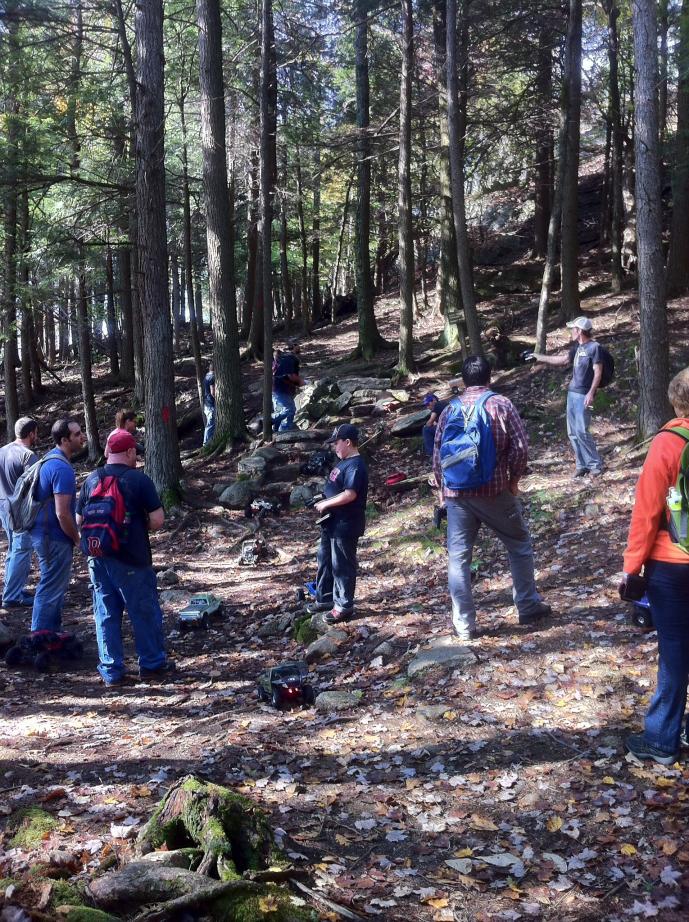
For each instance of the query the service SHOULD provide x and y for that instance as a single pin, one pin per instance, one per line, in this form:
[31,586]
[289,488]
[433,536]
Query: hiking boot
[596,474]
[18,603]
[540,611]
[166,671]
[637,745]
[684,739]
[581,472]
[337,617]
[313,608]
[467,636]
[114,683]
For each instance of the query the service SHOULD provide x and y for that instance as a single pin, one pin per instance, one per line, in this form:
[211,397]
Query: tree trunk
[455,119]
[268,98]
[678,258]
[569,250]
[49,328]
[25,299]
[340,242]
[316,300]
[174,272]
[616,160]
[162,449]
[654,408]
[124,264]
[662,60]
[370,340]
[284,263]
[405,362]
[63,323]
[87,393]
[543,168]
[256,341]
[221,281]
[304,310]
[111,318]
[10,208]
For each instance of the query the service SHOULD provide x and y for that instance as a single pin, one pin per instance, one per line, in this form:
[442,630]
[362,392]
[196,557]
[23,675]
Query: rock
[411,424]
[253,467]
[317,390]
[358,384]
[338,700]
[401,396]
[85,914]
[319,624]
[146,882]
[384,649]
[443,657]
[269,452]
[6,636]
[285,472]
[219,488]
[177,858]
[342,402]
[167,578]
[382,405]
[174,597]
[325,646]
[300,435]
[300,495]
[434,711]
[367,394]
[240,494]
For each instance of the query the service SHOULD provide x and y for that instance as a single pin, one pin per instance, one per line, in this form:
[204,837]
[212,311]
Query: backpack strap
[683,433]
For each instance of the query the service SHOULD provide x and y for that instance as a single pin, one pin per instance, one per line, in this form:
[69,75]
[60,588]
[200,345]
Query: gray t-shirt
[14,460]
[583,357]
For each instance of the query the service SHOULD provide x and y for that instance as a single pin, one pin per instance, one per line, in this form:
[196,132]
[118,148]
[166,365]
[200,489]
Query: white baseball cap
[583,323]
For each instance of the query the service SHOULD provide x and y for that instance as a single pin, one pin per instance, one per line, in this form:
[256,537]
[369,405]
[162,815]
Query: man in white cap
[585,356]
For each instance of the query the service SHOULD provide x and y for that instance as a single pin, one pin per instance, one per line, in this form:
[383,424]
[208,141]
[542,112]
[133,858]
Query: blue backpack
[467,449]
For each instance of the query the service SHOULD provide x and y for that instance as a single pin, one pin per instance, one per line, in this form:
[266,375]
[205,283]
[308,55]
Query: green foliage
[30,826]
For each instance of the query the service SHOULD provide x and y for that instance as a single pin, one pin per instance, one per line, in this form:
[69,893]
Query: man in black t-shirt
[286,381]
[127,578]
[15,458]
[344,507]
[209,404]
[586,358]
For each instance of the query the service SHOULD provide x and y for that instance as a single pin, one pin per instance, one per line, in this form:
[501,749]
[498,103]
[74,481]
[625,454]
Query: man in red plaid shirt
[494,504]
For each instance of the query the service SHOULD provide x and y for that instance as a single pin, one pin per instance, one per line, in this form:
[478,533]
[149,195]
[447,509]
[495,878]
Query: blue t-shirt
[57,476]
[287,364]
[140,498]
[208,382]
[583,357]
[347,521]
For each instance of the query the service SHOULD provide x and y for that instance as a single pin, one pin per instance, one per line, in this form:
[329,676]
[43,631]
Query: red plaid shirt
[511,444]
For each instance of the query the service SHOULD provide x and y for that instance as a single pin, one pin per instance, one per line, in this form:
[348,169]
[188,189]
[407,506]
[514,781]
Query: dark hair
[123,416]
[24,427]
[60,429]
[476,371]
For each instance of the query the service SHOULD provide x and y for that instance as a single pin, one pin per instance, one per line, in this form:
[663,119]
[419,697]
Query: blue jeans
[115,585]
[503,515]
[55,565]
[578,422]
[209,429]
[668,593]
[428,433]
[284,409]
[18,560]
[337,568]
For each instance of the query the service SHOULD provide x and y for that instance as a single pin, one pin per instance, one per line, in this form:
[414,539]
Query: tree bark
[25,299]
[678,258]
[662,62]
[616,157]
[10,208]
[304,309]
[456,150]
[543,167]
[124,274]
[316,300]
[405,362]
[654,408]
[284,263]
[250,329]
[174,273]
[569,249]
[87,392]
[370,340]
[162,449]
[110,313]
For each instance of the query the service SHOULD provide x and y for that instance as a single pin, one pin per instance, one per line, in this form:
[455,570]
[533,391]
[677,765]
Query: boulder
[338,700]
[368,394]
[167,578]
[319,624]
[177,858]
[253,467]
[383,403]
[342,402]
[219,488]
[411,424]
[290,436]
[174,597]
[384,649]
[316,390]
[300,495]
[434,711]
[325,646]
[270,453]
[240,494]
[146,882]
[453,657]
[284,472]
[356,384]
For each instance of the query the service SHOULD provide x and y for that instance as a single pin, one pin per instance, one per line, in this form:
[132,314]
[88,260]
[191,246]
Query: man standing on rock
[586,357]
[503,449]
[54,533]
[15,458]
[344,509]
[286,380]
[124,577]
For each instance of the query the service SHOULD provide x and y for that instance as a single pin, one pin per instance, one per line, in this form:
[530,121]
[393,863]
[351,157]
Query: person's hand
[588,399]
[622,588]
[320,506]
[528,356]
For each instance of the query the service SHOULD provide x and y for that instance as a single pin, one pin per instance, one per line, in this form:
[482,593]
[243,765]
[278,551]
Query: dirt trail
[496,791]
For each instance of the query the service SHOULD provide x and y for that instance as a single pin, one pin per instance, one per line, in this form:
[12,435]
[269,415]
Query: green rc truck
[197,614]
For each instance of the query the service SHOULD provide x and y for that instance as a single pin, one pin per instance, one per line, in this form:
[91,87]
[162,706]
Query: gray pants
[578,422]
[503,515]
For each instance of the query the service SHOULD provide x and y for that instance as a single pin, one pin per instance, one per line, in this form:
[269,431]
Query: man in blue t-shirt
[344,509]
[209,405]
[286,380]
[127,577]
[54,532]
[586,358]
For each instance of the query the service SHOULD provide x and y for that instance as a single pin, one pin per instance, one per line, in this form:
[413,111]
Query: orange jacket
[661,467]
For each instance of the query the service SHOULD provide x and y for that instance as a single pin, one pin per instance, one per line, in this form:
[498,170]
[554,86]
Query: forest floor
[498,791]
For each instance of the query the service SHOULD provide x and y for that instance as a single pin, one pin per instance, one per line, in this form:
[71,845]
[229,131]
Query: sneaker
[684,739]
[17,603]
[542,610]
[166,671]
[467,636]
[313,608]
[337,617]
[581,472]
[596,474]
[637,745]
[113,683]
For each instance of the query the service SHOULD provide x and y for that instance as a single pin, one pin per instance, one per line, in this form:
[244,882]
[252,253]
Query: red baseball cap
[119,441]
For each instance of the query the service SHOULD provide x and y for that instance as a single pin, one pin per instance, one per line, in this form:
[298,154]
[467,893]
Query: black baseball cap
[345,431]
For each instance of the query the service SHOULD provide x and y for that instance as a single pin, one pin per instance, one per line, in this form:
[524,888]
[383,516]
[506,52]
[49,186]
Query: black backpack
[608,367]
